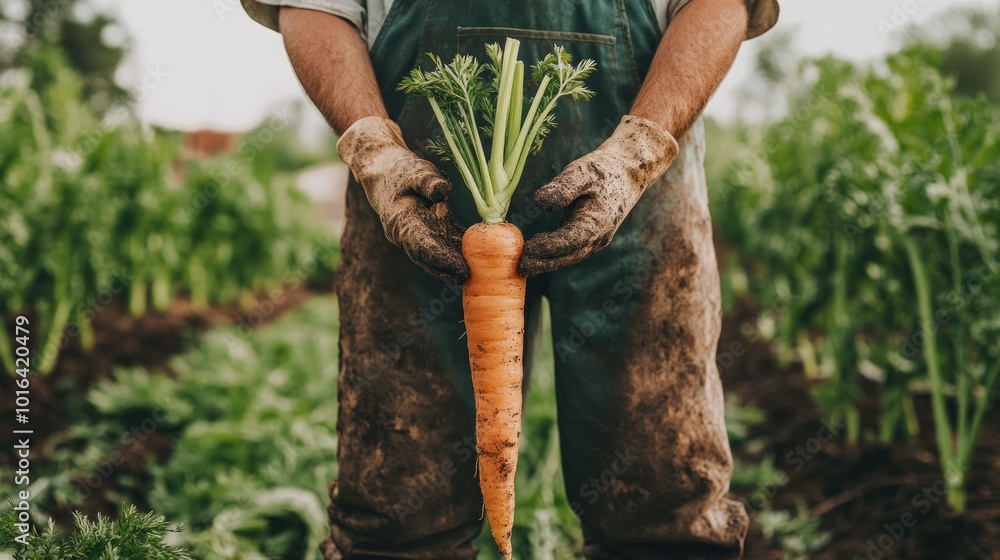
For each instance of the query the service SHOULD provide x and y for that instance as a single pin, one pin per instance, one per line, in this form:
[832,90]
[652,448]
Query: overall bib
[640,407]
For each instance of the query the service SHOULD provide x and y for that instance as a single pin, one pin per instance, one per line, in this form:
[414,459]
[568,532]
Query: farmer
[623,254]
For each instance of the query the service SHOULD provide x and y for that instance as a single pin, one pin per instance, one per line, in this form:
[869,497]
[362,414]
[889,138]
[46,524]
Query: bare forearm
[693,57]
[331,61]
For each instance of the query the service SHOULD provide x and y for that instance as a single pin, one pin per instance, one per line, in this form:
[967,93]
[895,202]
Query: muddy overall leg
[406,486]
[641,413]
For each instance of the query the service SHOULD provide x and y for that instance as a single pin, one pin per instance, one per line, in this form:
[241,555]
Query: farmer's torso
[620,35]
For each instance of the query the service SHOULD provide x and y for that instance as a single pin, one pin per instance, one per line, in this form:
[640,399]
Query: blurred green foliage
[867,218]
[96,206]
[253,419]
[34,29]
[969,42]
[796,533]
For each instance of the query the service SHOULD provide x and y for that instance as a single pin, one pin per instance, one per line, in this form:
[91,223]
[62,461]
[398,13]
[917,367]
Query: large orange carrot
[493,299]
[494,294]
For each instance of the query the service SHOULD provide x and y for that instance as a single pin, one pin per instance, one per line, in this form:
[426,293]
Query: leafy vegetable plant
[872,222]
[133,535]
[91,210]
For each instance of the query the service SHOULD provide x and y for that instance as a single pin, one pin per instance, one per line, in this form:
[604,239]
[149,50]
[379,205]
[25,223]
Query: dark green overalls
[635,326]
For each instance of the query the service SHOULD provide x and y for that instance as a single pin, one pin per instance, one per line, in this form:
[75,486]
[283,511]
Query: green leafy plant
[92,209]
[134,535]
[740,418]
[254,417]
[872,222]
[797,533]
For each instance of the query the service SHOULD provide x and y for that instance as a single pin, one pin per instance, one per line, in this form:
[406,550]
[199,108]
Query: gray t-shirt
[368,15]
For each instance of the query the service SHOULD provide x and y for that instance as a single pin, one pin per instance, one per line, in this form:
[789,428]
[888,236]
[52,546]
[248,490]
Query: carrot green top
[459,95]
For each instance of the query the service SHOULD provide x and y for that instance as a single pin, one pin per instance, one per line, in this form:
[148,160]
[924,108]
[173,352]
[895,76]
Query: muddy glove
[598,190]
[408,194]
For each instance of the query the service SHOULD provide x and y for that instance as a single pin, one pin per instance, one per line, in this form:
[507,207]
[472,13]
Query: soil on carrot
[123,340]
[877,501]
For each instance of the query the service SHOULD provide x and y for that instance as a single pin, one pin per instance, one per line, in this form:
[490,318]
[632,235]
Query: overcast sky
[205,64]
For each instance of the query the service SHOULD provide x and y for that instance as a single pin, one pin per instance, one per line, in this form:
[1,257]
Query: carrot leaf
[470,108]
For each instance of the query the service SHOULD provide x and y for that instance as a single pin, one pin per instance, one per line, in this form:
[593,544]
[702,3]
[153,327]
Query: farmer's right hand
[408,194]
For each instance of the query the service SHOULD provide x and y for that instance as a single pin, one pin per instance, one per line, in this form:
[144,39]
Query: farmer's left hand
[599,190]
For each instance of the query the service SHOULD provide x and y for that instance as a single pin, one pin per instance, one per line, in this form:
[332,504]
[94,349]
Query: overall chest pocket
[497,34]
[536,43]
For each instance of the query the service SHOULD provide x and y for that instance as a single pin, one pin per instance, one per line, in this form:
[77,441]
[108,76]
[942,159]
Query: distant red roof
[209,142]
